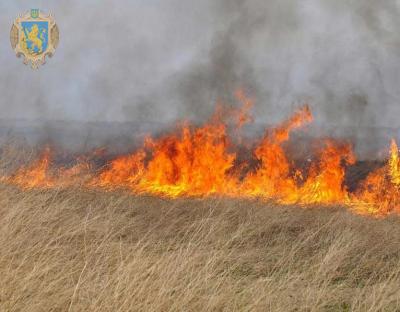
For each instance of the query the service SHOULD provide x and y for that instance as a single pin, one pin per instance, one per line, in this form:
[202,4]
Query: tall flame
[272,178]
[204,161]
[394,164]
[194,163]
[380,192]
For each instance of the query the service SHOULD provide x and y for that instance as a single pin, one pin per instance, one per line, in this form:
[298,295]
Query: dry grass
[73,250]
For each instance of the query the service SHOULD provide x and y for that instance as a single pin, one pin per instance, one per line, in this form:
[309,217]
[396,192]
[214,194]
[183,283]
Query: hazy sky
[165,59]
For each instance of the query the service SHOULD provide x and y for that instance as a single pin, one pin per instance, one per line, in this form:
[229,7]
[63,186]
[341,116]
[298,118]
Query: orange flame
[35,175]
[123,171]
[243,115]
[272,178]
[380,192]
[394,164]
[204,161]
[194,163]
[325,183]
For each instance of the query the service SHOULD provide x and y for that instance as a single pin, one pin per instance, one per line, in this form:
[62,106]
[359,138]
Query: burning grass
[187,223]
[85,250]
[203,161]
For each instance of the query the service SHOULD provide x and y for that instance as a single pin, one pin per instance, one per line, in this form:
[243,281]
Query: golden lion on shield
[35,38]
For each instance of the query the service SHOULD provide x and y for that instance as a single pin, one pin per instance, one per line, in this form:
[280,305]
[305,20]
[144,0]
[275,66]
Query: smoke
[162,60]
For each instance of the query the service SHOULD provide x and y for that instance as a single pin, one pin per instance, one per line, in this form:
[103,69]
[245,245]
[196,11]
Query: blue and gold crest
[34,36]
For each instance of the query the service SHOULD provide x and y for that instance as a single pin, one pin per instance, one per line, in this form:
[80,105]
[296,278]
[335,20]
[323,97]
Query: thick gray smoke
[161,60]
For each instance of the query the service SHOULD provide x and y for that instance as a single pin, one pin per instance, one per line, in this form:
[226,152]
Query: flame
[394,164]
[272,178]
[40,173]
[243,115]
[325,183]
[122,171]
[35,175]
[196,162]
[380,192]
[203,161]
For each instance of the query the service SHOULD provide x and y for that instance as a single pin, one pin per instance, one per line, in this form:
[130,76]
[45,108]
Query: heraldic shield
[34,36]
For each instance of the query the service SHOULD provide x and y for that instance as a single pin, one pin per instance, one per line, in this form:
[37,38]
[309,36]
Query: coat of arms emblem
[34,36]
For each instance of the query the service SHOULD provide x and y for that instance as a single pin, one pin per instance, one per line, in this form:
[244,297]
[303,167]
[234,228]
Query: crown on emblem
[34,13]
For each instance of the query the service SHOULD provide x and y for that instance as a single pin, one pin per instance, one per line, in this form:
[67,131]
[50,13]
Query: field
[82,250]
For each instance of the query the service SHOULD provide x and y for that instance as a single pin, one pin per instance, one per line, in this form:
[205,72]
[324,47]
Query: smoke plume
[158,61]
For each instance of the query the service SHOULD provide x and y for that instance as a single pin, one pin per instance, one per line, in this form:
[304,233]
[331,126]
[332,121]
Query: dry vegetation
[74,250]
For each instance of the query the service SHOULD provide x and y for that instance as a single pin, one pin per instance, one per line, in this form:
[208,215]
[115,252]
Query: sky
[162,60]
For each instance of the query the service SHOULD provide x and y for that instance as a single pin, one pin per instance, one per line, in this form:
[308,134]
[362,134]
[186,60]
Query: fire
[326,178]
[194,162]
[243,115]
[394,164]
[272,178]
[40,173]
[123,171]
[35,175]
[205,161]
[380,192]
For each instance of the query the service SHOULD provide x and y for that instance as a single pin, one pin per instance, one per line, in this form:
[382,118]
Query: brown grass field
[75,250]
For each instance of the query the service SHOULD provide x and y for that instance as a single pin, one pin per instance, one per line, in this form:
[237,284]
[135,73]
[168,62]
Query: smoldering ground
[158,61]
